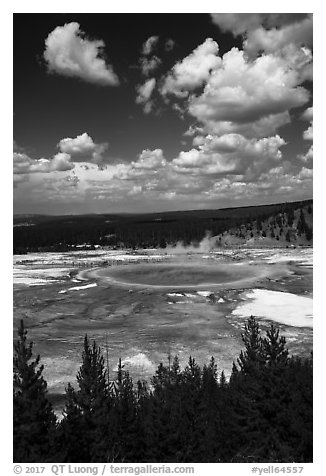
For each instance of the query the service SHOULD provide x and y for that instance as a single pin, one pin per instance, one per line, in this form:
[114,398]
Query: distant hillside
[266,225]
[293,226]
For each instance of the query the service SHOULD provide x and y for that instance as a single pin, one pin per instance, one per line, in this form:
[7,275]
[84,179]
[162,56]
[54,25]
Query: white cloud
[144,93]
[308,133]
[263,127]
[197,162]
[305,173]
[244,91]
[193,71]
[79,145]
[229,154]
[149,160]
[289,36]
[23,164]
[237,23]
[218,168]
[307,115]
[136,190]
[149,62]
[307,158]
[148,65]
[149,45]
[72,180]
[80,149]
[299,59]
[69,53]
[148,163]
[231,143]
[268,32]
[241,95]
[273,40]
[60,162]
[83,149]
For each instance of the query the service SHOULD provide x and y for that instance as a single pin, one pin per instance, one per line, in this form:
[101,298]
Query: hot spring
[180,275]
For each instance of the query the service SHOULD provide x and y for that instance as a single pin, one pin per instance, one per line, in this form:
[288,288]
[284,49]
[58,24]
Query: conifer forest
[262,413]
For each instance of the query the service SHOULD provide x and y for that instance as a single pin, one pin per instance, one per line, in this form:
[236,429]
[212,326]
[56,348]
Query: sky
[149,112]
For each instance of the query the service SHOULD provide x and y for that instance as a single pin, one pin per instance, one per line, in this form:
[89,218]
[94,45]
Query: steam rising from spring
[207,244]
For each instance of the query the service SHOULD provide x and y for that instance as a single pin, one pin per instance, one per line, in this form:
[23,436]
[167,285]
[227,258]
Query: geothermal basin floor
[143,312]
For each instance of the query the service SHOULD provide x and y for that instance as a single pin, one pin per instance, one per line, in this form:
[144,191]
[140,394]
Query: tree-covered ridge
[262,414]
[291,225]
[63,233]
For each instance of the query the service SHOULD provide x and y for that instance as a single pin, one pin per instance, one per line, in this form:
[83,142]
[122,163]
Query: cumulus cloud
[144,93]
[308,133]
[273,40]
[149,45]
[229,154]
[249,96]
[244,91]
[308,116]
[72,180]
[148,163]
[265,126]
[149,62]
[83,149]
[60,162]
[268,32]
[289,36]
[197,162]
[230,143]
[237,101]
[193,71]
[305,173]
[23,164]
[299,59]
[149,65]
[237,23]
[307,158]
[150,160]
[69,53]
[217,167]
[71,151]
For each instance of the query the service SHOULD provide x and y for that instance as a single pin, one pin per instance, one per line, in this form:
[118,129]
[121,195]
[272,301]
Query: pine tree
[91,379]
[34,421]
[222,380]
[274,348]
[124,424]
[290,216]
[252,359]
[308,233]
[301,226]
[87,410]
[72,429]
